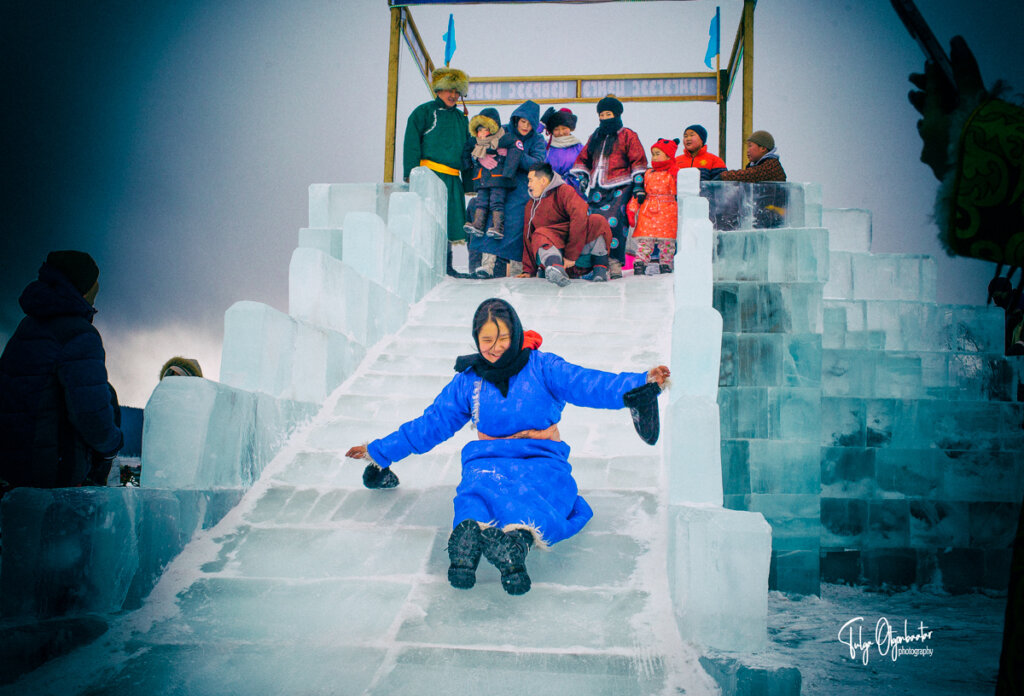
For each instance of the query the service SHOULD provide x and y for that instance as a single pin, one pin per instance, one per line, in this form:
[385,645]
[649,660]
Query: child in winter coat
[485,155]
[563,146]
[517,487]
[654,210]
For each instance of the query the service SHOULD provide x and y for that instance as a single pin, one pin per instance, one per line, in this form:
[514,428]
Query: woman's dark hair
[488,311]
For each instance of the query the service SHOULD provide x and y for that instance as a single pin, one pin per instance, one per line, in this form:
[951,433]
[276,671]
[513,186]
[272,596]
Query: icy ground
[966,635]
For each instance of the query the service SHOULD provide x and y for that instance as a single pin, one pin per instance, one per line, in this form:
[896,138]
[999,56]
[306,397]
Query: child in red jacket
[654,210]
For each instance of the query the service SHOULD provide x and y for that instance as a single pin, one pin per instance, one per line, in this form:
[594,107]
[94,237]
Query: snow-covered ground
[964,635]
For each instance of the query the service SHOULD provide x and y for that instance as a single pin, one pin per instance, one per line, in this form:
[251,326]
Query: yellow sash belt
[438,167]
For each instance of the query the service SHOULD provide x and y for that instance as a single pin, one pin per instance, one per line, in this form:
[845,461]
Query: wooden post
[723,110]
[748,74]
[390,123]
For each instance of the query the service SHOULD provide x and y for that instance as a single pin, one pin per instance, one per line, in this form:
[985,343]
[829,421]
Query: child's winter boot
[475,228]
[507,552]
[639,268]
[497,228]
[464,548]
[664,268]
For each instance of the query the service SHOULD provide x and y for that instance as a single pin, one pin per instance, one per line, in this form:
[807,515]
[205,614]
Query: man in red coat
[558,232]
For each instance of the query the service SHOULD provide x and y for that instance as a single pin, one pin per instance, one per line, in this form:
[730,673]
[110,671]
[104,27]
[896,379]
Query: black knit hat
[553,119]
[701,132]
[610,103]
[77,266]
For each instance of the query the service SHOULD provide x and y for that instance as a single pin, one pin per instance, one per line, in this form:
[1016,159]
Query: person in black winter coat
[58,414]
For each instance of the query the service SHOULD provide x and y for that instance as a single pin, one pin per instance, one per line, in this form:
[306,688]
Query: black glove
[640,196]
[642,403]
[99,471]
[375,477]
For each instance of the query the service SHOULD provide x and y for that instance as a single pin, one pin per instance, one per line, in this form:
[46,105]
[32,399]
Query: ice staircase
[314,584]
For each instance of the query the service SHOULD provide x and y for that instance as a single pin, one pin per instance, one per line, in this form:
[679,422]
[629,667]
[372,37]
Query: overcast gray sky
[175,142]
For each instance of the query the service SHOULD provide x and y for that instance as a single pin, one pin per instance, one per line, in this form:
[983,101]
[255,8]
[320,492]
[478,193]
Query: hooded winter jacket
[523,153]
[55,403]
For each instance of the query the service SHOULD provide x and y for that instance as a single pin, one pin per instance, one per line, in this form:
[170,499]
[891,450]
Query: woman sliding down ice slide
[517,487]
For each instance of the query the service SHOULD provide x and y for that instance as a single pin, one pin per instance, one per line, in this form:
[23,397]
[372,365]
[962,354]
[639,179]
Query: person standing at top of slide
[610,169]
[435,136]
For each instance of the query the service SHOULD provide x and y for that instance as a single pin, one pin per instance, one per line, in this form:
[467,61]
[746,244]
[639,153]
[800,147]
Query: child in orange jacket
[654,211]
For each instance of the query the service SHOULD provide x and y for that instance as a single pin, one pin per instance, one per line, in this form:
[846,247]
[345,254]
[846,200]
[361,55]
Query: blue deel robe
[513,481]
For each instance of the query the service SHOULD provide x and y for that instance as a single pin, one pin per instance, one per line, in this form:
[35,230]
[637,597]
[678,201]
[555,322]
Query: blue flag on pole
[712,40]
[449,40]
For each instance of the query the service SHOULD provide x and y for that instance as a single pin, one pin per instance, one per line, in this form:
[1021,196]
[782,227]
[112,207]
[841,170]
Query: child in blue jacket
[517,487]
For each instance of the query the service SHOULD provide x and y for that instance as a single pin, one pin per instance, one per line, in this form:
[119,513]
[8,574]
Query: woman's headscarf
[513,359]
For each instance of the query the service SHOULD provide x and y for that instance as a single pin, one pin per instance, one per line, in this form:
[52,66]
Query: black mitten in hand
[375,477]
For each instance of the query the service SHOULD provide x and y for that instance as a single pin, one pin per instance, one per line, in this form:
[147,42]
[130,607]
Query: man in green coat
[435,136]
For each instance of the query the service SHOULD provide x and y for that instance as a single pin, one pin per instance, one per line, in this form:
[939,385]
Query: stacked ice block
[205,442]
[369,253]
[718,559]
[768,285]
[95,550]
[921,425]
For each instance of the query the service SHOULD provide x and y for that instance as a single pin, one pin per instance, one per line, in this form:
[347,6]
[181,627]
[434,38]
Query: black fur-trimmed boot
[639,268]
[464,548]
[507,552]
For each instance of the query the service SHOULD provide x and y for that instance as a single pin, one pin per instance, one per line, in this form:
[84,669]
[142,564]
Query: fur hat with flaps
[489,118]
[553,119]
[181,367]
[450,78]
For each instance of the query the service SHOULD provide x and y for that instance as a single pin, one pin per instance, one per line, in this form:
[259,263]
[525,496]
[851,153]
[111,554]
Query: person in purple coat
[517,487]
[563,146]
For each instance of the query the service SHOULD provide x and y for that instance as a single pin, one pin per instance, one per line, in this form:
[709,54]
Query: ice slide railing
[100,550]
[718,559]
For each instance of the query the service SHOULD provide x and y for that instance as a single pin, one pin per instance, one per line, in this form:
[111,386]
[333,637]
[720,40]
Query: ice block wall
[768,288]
[718,559]
[369,253]
[95,550]
[879,432]
[922,442]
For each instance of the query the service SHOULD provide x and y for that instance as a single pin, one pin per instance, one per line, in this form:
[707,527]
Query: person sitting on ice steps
[517,488]
[559,232]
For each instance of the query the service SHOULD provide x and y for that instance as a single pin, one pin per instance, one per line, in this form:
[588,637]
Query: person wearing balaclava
[59,418]
[610,169]
[517,489]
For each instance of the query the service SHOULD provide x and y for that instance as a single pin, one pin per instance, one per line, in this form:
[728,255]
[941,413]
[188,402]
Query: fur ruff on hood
[485,121]
[450,78]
